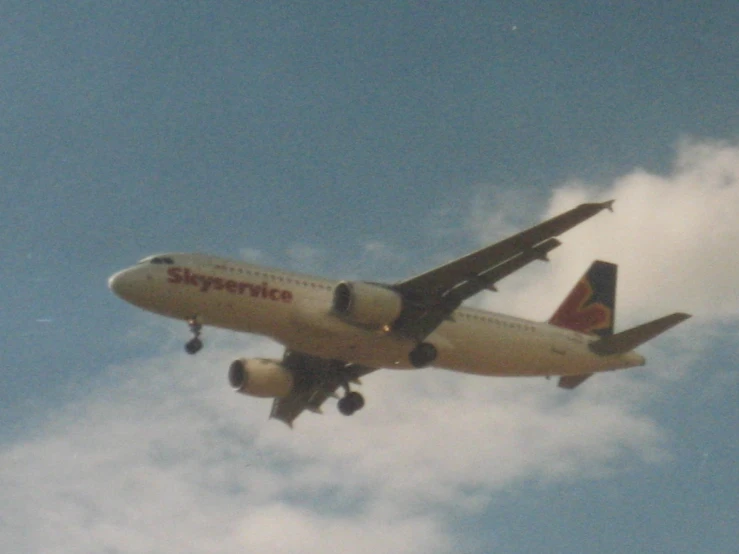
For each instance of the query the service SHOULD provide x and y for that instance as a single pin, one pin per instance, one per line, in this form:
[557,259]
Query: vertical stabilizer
[591,305]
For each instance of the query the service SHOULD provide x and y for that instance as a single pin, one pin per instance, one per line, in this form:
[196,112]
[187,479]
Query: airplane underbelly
[509,354]
[350,344]
[313,329]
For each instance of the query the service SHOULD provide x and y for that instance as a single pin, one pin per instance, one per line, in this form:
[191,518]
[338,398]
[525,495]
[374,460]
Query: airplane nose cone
[120,283]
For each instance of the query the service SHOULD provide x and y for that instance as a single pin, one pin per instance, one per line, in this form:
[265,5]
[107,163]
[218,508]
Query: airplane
[336,332]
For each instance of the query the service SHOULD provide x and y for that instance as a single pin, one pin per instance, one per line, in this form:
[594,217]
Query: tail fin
[591,305]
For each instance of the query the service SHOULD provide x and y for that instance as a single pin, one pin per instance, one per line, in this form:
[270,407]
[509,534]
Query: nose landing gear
[194,345]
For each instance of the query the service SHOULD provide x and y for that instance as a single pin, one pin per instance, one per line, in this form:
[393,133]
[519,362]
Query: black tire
[345,406]
[350,403]
[357,400]
[423,355]
[193,346]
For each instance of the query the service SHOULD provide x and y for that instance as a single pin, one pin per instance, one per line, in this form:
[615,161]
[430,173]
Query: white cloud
[282,528]
[253,255]
[674,238]
[306,258]
[164,457]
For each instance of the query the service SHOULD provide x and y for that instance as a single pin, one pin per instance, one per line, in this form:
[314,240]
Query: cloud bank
[168,459]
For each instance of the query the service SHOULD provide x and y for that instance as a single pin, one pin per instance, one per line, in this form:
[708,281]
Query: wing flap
[316,379]
[571,381]
[289,408]
[426,320]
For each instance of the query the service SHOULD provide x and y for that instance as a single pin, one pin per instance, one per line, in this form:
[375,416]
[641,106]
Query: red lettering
[190,278]
[206,283]
[174,275]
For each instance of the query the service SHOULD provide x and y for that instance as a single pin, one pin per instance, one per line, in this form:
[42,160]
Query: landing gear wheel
[195,326]
[352,402]
[423,355]
[193,346]
[357,401]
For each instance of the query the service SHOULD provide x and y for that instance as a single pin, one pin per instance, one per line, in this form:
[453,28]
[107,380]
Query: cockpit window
[158,260]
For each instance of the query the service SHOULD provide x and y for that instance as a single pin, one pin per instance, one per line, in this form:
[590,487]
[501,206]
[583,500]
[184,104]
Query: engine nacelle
[367,305]
[260,377]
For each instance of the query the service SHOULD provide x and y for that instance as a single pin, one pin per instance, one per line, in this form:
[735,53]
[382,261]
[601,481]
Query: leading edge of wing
[437,281]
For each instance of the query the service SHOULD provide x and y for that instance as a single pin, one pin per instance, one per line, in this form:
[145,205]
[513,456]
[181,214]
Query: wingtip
[608,205]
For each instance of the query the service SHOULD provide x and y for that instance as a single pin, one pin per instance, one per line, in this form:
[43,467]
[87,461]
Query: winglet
[607,205]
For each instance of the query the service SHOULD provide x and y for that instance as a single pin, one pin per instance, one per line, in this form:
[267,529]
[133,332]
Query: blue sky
[375,141]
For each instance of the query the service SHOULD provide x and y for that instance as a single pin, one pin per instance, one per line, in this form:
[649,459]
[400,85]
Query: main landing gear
[194,345]
[351,402]
[423,355]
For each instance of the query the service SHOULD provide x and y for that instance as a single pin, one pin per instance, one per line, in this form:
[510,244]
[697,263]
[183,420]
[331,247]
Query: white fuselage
[295,310]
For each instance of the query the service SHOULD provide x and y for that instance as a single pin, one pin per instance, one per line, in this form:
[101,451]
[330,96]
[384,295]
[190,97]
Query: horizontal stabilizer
[630,339]
[571,381]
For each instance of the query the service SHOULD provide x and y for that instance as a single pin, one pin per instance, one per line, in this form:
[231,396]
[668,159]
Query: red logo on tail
[576,314]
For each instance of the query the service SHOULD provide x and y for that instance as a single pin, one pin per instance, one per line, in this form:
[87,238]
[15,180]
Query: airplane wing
[316,379]
[432,296]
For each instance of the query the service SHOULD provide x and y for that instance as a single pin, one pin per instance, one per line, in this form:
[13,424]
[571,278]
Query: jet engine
[260,377]
[366,305]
